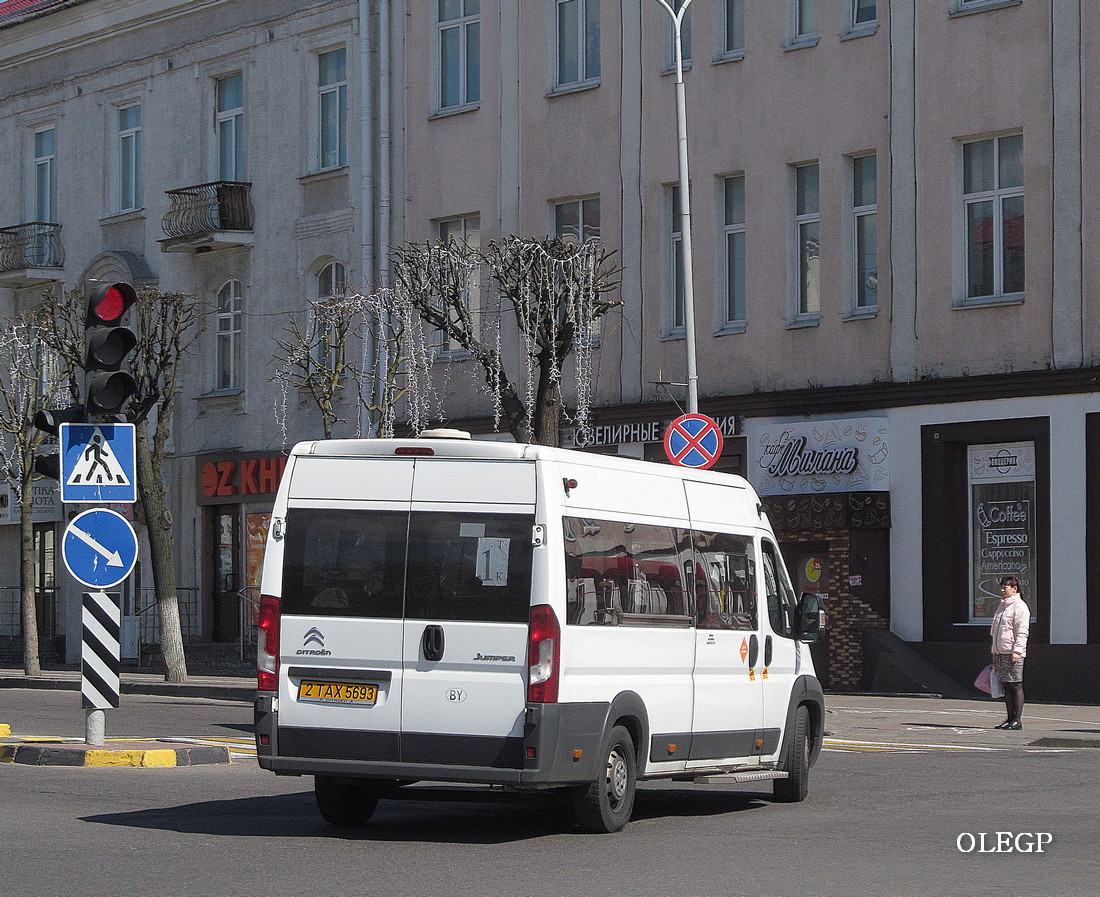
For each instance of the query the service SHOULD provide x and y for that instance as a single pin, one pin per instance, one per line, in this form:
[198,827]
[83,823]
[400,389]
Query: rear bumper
[560,745]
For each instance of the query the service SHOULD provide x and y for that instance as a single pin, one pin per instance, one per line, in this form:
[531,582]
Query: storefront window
[1002,521]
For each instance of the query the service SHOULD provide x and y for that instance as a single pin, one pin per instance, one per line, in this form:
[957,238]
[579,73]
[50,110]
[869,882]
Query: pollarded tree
[31,378]
[167,326]
[557,291]
[323,358]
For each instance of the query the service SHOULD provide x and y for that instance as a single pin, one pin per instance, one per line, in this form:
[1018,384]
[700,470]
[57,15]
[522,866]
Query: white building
[863,279]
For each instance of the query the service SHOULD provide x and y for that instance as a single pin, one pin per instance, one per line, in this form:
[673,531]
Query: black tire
[345,801]
[605,805]
[796,786]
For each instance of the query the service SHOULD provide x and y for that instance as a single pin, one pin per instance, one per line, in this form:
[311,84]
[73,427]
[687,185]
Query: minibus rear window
[427,565]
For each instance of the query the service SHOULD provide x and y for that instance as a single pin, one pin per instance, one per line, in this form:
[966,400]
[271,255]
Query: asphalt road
[876,823]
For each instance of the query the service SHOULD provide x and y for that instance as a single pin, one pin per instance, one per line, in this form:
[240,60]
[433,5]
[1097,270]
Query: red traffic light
[109,301]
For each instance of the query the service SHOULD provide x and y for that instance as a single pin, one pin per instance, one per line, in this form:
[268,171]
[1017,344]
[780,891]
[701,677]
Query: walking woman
[1010,625]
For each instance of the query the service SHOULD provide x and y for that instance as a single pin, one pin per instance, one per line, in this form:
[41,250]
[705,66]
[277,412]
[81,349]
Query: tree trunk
[31,664]
[547,424]
[162,560]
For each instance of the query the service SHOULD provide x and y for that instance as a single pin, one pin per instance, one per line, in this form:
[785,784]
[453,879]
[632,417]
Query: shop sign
[46,508]
[235,478]
[849,455]
[634,431]
[1002,522]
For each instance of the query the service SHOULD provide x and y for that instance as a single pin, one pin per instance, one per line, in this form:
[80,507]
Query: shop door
[227,540]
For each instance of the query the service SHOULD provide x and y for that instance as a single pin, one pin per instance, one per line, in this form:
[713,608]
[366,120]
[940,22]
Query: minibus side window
[780,595]
[614,568]
[725,587]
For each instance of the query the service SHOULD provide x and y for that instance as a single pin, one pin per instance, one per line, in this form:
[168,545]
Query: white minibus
[444,609]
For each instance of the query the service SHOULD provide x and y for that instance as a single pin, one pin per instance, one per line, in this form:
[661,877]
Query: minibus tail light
[267,644]
[543,656]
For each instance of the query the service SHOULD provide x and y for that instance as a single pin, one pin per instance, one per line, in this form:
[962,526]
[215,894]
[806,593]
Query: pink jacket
[1010,625]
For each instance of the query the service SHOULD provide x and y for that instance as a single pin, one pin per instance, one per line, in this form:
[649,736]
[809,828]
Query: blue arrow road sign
[99,548]
[98,463]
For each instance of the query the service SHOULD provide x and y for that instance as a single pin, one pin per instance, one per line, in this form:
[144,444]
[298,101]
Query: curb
[132,754]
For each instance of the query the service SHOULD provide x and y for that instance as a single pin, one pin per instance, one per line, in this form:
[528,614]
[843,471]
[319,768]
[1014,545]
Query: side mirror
[810,622]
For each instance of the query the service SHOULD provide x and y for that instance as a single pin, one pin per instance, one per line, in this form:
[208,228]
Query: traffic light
[107,342]
[47,460]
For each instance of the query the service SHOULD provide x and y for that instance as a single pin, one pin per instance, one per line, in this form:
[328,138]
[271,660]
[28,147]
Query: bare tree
[323,358]
[31,377]
[166,325]
[557,290]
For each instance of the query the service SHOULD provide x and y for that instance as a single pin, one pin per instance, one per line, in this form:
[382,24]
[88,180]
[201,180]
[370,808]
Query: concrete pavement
[853,722]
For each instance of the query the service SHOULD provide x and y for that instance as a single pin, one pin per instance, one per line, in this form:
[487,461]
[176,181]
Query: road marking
[898,747]
[238,747]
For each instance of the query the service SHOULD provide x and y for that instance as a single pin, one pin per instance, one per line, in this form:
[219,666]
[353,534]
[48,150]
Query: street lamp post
[685,203]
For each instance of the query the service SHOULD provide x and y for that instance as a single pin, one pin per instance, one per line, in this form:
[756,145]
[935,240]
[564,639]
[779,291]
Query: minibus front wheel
[605,805]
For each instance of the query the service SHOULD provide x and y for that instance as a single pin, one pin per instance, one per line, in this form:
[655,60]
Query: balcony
[206,217]
[30,254]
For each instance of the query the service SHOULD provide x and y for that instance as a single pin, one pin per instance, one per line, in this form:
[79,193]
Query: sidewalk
[852,721]
[226,688]
[956,723]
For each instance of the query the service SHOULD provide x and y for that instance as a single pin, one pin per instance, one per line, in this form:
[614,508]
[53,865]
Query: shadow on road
[487,818]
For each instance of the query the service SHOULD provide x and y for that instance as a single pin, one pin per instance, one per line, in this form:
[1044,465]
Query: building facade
[906,372]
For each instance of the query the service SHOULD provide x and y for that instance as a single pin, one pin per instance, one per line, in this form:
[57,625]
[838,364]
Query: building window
[229,123]
[802,28]
[808,240]
[962,7]
[731,29]
[675,320]
[45,176]
[332,80]
[993,208]
[229,336]
[733,231]
[863,12]
[467,231]
[577,220]
[459,53]
[331,283]
[129,158]
[862,18]
[578,33]
[864,252]
[574,222]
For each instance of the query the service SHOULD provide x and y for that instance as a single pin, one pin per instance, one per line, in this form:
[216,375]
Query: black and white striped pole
[99,661]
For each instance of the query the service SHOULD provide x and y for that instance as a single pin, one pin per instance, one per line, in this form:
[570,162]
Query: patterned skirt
[1006,669]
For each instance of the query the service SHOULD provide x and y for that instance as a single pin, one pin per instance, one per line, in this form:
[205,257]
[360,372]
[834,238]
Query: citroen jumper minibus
[462,611]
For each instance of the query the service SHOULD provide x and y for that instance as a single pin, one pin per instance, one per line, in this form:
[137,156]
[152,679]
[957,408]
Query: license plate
[337,692]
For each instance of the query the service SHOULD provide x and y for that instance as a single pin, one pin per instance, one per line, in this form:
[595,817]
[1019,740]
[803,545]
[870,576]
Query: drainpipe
[384,175]
[366,188]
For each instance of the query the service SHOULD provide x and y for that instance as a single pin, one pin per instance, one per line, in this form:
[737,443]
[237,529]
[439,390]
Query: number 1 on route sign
[693,440]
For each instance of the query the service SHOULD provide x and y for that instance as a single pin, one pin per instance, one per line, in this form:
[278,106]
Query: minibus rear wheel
[345,801]
[605,805]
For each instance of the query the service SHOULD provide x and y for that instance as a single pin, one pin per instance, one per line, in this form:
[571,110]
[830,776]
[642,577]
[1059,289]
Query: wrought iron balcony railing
[208,209]
[35,244]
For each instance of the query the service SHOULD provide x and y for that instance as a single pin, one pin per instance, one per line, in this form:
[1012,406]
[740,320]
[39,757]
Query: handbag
[985,680]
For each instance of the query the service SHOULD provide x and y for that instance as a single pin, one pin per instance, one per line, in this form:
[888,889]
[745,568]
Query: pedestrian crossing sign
[98,463]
